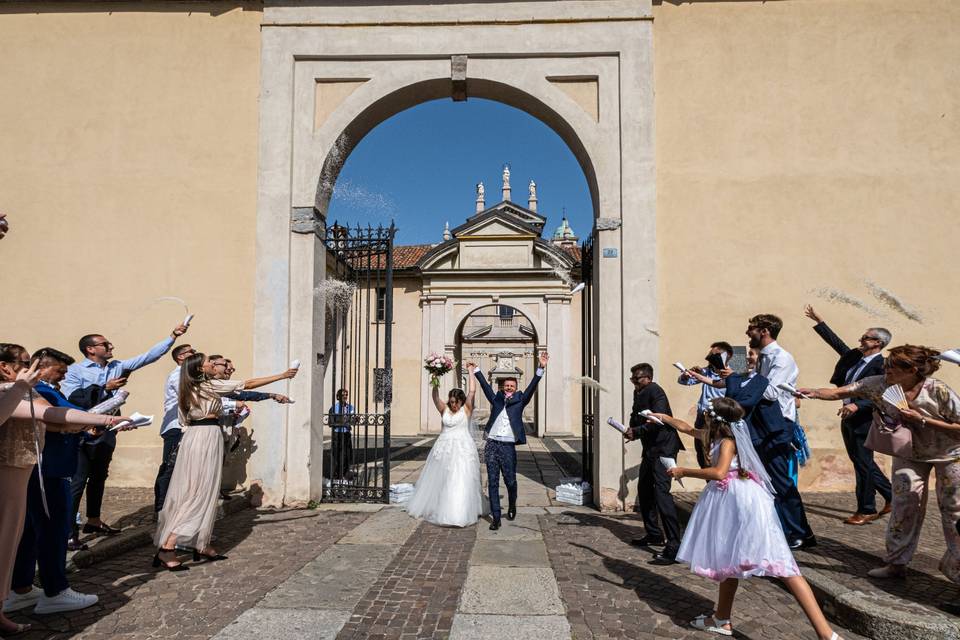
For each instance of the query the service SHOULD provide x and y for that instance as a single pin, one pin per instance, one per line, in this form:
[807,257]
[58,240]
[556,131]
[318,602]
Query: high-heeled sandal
[157,562]
[197,557]
[835,636]
[700,622]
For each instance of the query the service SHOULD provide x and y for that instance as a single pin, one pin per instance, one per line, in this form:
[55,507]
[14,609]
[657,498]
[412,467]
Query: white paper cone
[616,425]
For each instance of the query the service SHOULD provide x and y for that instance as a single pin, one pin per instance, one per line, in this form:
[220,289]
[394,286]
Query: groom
[504,431]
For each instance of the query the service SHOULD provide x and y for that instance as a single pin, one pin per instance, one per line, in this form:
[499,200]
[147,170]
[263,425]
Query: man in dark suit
[856,415]
[504,432]
[772,437]
[654,501]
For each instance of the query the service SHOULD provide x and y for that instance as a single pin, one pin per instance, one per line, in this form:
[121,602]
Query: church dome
[564,232]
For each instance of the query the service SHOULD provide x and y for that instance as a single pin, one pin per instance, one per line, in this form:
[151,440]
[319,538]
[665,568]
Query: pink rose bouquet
[437,365]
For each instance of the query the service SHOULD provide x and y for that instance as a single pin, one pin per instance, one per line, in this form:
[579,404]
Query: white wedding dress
[448,491]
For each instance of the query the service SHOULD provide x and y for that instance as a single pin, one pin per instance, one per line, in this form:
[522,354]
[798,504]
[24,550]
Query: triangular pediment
[497,223]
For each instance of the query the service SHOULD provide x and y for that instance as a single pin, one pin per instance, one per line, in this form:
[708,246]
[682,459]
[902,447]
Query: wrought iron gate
[358,379]
[588,360]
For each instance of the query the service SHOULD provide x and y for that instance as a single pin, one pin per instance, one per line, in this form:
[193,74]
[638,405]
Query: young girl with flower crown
[734,531]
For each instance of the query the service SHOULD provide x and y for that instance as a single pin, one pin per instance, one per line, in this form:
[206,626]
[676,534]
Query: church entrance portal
[332,71]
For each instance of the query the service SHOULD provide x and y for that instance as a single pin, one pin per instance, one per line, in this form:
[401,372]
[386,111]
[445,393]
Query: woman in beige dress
[190,507]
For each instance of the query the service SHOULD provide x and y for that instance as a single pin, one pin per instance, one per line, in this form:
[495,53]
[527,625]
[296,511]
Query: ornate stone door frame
[330,72]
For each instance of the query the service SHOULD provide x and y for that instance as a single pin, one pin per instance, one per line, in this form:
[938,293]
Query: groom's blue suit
[501,456]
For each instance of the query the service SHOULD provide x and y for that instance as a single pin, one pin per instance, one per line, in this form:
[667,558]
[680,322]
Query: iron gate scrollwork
[588,359]
[358,303]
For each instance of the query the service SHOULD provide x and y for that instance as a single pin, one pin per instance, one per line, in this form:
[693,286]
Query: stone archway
[332,71]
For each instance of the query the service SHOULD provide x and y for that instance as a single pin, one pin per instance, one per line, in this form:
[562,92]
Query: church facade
[494,292]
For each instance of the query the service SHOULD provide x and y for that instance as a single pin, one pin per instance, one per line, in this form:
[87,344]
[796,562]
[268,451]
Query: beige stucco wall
[129,172]
[806,144]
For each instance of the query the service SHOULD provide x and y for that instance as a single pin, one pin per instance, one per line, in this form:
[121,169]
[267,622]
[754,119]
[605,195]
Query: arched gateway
[332,71]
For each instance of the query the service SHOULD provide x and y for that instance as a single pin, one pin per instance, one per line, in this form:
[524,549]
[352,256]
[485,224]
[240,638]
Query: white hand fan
[679,365]
[895,396]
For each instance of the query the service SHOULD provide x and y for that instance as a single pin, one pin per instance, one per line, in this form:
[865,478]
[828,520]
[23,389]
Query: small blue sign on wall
[610,252]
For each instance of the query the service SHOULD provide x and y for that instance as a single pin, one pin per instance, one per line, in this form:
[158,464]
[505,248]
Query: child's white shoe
[709,623]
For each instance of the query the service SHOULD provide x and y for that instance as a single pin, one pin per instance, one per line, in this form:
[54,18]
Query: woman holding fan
[907,396]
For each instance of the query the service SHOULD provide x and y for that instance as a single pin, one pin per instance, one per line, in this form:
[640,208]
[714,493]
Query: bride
[448,491]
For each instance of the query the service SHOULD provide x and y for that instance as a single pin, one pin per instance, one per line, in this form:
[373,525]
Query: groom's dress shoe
[664,558]
[647,541]
[495,524]
[511,512]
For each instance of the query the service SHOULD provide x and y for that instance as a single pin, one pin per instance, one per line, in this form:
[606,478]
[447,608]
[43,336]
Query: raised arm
[484,385]
[471,387]
[45,412]
[11,399]
[437,402]
[826,332]
[831,393]
[528,392]
[719,470]
[253,383]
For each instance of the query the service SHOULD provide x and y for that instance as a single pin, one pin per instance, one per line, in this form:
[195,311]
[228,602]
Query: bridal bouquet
[437,365]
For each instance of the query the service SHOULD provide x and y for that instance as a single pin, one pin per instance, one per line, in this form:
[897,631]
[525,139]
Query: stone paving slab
[285,624]
[390,525]
[525,527]
[336,579]
[511,591]
[483,627]
[510,553]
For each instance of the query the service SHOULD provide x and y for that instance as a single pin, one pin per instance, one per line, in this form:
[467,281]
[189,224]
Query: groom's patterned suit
[504,431]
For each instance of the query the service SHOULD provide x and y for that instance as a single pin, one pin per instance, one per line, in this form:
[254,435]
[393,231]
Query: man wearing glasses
[855,415]
[654,501]
[89,382]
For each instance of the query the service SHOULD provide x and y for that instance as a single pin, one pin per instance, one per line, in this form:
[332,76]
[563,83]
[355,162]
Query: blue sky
[421,166]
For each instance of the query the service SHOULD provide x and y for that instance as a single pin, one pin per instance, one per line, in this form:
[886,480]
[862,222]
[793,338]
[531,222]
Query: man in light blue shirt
[89,382]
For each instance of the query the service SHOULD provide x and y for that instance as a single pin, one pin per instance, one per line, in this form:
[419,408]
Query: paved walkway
[370,571]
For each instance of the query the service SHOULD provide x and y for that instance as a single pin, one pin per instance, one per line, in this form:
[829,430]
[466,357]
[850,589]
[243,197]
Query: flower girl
[734,532]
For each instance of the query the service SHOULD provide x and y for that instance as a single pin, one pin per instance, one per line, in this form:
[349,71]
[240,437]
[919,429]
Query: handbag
[890,436]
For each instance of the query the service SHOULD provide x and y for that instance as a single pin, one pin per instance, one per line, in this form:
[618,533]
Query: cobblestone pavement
[845,553]
[416,596]
[138,602]
[610,590]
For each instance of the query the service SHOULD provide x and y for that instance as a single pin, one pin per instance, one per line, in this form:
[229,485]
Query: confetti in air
[562,272]
[337,294]
[834,295]
[588,382]
[892,301]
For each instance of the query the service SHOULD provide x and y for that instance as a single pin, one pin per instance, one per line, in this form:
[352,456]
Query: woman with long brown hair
[932,414]
[190,507]
[21,440]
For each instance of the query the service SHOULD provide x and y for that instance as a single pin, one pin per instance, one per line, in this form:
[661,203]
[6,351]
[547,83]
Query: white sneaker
[66,600]
[16,601]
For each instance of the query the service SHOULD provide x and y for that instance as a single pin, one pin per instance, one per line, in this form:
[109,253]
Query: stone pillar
[558,343]
[610,465]
[433,340]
